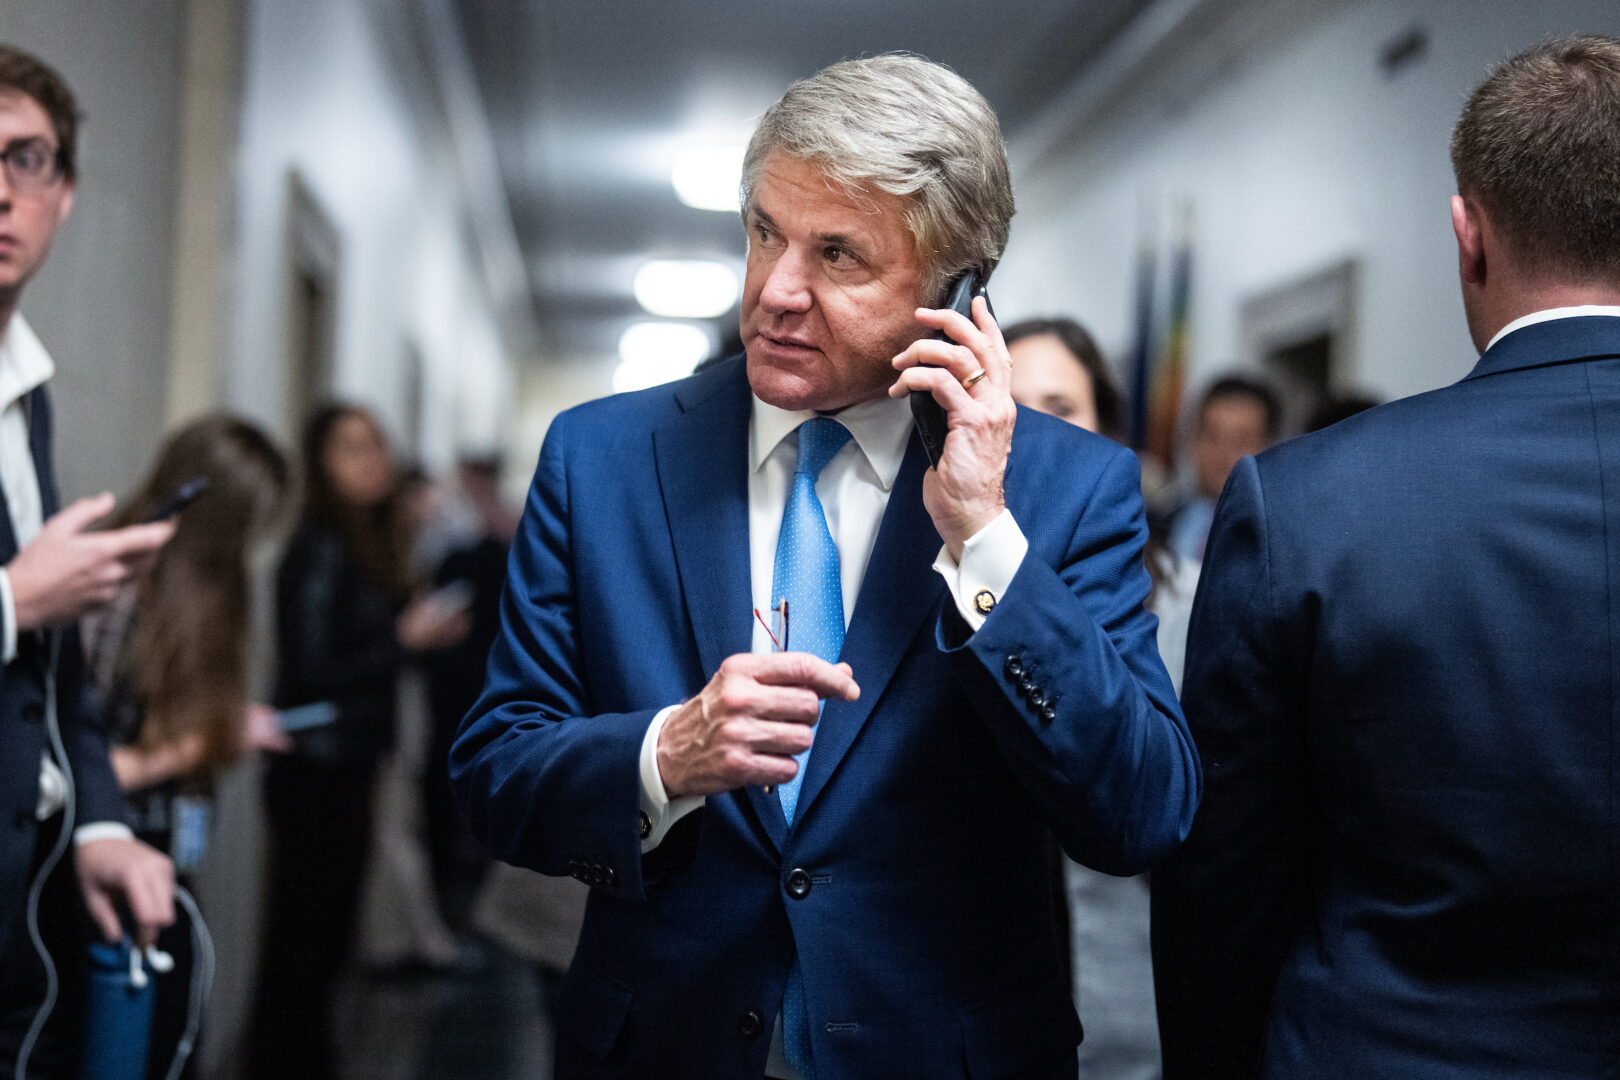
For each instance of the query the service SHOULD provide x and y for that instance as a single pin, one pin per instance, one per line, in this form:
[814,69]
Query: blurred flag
[1170,369]
[1142,355]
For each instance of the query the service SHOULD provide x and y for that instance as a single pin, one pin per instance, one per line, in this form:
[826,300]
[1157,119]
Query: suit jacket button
[798,884]
[1014,667]
[1037,699]
[1049,711]
[1026,683]
[750,1024]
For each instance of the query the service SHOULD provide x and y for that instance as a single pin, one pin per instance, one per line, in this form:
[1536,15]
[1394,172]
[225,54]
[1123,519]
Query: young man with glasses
[54,773]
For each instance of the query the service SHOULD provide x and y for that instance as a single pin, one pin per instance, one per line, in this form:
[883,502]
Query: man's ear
[1467,222]
[68,188]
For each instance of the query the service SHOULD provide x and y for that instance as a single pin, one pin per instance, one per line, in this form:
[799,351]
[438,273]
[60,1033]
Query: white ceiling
[589,102]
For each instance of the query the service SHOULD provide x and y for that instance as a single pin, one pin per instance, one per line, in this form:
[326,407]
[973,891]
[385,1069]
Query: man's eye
[836,254]
[30,159]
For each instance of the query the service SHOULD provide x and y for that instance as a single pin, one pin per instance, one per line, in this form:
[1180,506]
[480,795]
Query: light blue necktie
[807,577]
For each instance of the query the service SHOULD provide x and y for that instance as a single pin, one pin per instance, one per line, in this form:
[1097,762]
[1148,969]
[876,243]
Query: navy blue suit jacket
[23,734]
[926,930]
[1402,680]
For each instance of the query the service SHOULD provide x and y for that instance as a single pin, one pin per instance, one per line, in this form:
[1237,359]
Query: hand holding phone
[959,382]
[177,500]
[926,413]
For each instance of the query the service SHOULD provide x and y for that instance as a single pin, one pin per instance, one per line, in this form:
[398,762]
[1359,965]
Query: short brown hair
[27,74]
[1538,145]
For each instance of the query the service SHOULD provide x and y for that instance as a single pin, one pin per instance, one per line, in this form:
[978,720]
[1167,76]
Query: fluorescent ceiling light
[707,177]
[651,353]
[686,288]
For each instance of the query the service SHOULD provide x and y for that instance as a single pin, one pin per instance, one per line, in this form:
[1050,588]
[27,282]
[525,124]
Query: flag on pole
[1143,352]
[1170,371]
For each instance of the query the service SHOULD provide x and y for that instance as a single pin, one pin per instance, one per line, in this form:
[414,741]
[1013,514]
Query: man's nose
[787,287]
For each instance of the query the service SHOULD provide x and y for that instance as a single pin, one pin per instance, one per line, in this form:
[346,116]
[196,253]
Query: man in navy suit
[54,772]
[972,640]
[1402,668]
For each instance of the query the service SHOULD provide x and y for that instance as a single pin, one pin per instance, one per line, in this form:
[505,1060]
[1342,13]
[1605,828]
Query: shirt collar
[1549,315]
[24,363]
[881,428]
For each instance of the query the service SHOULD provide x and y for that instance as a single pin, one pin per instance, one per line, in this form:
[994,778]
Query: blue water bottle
[118,1020]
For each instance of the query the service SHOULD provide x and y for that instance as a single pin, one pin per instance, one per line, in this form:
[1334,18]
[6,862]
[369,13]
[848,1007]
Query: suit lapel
[899,592]
[702,462]
[38,405]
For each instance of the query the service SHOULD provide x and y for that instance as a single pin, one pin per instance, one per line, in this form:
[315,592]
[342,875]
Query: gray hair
[910,127]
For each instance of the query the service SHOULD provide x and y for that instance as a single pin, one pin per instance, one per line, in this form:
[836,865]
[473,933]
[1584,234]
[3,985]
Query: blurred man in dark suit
[1402,672]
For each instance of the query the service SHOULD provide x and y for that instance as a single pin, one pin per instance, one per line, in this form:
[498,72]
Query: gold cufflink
[984,601]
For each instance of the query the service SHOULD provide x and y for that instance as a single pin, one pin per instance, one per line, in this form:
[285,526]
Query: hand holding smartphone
[926,413]
[177,500]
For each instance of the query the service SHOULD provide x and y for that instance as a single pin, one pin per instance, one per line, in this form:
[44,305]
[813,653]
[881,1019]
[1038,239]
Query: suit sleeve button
[798,884]
[1037,699]
[1014,667]
[1049,711]
[1026,683]
[750,1024]
[610,877]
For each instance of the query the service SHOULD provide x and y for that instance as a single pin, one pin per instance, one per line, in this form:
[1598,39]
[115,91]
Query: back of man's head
[1538,146]
[910,127]
[23,73]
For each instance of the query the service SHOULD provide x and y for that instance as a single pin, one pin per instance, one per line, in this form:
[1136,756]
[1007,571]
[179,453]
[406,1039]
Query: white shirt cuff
[659,811]
[8,619]
[990,560]
[102,830]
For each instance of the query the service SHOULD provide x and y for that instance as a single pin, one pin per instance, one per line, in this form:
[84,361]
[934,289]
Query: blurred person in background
[1058,369]
[1238,415]
[476,568]
[167,662]
[346,624]
[54,770]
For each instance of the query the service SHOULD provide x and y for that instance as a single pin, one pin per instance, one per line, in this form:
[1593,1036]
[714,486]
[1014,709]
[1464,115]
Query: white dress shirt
[1548,315]
[24,367]
[854,492]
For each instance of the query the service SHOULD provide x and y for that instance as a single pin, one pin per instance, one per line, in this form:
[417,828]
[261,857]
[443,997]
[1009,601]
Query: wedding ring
[967,383]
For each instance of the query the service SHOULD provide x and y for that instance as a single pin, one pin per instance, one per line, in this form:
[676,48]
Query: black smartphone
[926,413]
[177,500]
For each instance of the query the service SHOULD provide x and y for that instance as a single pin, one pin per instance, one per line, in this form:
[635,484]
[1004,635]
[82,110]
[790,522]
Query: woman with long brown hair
[345,626]
[168,660]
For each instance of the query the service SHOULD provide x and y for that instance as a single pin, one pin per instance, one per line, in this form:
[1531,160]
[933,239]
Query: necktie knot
[820,438]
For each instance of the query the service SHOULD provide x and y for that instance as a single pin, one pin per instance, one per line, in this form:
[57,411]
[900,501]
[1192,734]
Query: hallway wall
[1297,150]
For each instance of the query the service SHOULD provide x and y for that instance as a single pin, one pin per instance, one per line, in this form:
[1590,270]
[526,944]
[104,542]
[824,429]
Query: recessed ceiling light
[651,353]
[708,177]
[686,288]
